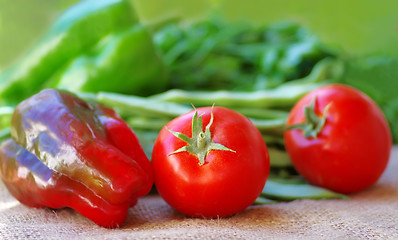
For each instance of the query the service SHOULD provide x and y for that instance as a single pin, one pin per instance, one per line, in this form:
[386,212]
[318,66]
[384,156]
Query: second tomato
[343,141]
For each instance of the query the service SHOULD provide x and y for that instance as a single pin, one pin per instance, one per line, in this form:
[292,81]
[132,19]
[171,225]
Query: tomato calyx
[200,144]
[313,124]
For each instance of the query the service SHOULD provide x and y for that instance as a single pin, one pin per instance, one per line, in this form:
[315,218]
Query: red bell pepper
[65,152]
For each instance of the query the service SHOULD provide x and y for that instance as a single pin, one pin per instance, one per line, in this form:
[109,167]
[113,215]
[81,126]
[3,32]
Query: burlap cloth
[371,214]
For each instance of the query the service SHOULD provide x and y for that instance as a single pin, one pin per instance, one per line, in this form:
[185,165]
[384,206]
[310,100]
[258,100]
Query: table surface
[370,214]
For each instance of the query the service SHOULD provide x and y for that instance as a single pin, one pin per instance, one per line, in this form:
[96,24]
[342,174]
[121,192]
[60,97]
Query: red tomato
[352,148]
[232,175]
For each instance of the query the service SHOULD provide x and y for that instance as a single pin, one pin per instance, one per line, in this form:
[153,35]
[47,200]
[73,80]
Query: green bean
[269,124]
[273,139]
[147,139]
[144,123]
[279,158]
[283,190]
[283,96]
[262,201]
[323,71]
[283,173]
[141,106]
[261,113]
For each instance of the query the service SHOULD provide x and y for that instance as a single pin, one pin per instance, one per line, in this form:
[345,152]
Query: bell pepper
[79,28]
[66,152]
[127,57]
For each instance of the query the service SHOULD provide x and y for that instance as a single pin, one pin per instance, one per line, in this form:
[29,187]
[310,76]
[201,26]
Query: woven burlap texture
[370,214]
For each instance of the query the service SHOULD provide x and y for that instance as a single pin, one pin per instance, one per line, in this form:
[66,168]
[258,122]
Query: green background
[355,26]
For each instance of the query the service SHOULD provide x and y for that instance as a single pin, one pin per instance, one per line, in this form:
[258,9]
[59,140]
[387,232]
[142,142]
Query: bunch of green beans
[267,109]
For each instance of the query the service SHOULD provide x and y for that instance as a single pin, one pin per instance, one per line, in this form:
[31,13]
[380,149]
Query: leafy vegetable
[376,76]
[213,54]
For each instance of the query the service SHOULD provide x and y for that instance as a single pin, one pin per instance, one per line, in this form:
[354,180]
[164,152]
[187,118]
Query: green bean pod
[282,96]
[289,190]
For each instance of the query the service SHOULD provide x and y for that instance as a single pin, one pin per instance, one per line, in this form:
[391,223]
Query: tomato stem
[200,144]
[201,140]
[313,124]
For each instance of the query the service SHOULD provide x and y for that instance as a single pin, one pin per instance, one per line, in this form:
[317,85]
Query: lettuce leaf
[376,76]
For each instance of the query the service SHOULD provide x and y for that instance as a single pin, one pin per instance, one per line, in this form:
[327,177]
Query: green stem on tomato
[313,123]
[201,143]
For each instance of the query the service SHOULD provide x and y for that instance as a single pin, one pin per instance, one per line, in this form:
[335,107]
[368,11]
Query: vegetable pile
[153,73]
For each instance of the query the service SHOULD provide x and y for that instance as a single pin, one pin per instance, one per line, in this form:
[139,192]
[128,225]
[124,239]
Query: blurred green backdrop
[356,26]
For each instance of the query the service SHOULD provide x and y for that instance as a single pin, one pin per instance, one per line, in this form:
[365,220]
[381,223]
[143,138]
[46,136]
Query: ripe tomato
[348,146]
[217,178]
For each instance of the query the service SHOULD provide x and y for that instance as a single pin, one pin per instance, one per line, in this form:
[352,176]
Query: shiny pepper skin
[65,152]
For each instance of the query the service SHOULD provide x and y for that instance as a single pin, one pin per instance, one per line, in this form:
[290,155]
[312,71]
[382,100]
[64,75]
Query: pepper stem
[200,144]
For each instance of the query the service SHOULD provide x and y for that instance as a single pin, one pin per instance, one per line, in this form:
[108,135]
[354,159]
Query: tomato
[218,178]
[347,147]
